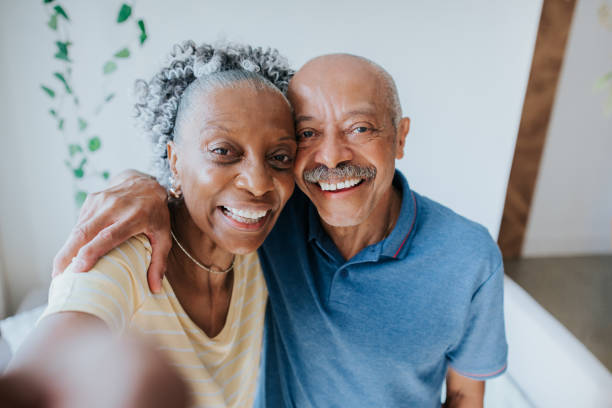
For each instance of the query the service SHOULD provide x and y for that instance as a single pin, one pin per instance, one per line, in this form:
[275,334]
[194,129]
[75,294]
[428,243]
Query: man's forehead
[348,82]
[340,69]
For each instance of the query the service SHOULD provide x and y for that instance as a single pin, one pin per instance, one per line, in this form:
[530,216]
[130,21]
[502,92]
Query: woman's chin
[245,248]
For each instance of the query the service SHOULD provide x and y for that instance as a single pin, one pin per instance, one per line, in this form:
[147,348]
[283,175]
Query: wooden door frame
[548,55]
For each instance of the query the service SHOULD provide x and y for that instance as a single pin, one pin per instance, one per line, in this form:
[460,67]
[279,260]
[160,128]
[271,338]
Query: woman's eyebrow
[287,137]
[207,126]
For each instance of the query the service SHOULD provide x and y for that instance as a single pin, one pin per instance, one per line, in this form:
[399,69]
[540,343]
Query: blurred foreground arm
[463,392]
[71,360]
[135,203]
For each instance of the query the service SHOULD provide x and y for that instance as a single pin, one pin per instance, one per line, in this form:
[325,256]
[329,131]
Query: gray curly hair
[190,68]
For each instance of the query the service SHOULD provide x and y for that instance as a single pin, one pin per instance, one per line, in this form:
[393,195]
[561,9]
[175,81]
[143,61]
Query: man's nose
[255,178]
[333,150]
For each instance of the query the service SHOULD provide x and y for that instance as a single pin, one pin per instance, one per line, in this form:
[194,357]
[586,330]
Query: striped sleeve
[113,290]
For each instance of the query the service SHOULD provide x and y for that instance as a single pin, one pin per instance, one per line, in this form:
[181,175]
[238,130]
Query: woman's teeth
[339,186]
[245,216]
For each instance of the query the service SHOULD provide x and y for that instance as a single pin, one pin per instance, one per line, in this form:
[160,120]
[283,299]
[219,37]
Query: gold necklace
[195,261]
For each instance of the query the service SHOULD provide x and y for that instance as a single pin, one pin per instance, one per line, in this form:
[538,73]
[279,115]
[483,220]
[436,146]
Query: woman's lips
[249,220]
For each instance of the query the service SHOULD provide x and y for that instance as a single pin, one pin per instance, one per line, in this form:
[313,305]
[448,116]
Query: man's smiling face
[347,139]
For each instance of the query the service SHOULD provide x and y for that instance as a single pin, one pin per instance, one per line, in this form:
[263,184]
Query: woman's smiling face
[233,159]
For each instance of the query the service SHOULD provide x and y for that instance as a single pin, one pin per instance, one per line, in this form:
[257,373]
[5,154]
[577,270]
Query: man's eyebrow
[303,118]
[355,112]
[364,112]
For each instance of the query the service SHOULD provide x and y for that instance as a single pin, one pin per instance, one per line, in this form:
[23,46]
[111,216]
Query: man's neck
[377,226]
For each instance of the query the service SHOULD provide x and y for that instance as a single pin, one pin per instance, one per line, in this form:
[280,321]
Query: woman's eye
[221,151]
[281,160]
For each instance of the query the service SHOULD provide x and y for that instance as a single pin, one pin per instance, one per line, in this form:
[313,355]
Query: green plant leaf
[60,124]
[105,175]
[124,13]
[79,172]
[63,46]
[74,148]
[109,67]
[60,11]
[109,97]
[53,22]
[94,144]
[124,53]
[49,91]
[47,1]
[62,57]
[80,197]
[62,52]
[143,31]
[61,77]
[82,124]
[52,112]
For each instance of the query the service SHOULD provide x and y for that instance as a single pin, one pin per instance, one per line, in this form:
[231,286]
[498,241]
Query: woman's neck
[200,247]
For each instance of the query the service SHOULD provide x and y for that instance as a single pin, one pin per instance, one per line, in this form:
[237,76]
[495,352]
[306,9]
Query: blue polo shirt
[380,329]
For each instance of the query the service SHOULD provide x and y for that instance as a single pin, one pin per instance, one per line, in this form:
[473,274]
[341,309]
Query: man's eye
[306,134]
[361,129]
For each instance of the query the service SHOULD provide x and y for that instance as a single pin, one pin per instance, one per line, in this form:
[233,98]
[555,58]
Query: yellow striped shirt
[221,371]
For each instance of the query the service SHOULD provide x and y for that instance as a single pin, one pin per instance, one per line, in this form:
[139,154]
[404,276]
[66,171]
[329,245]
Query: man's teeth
[245,216]
[340,185]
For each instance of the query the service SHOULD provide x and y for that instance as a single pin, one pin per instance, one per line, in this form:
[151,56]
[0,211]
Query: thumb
[160,247]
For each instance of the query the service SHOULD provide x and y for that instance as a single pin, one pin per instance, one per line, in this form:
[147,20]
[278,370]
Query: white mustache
[342,171]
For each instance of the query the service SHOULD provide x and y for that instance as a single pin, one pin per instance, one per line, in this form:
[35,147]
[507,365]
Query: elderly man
[376,293]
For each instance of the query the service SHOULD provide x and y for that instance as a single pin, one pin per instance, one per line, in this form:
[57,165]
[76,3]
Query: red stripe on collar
[411,226]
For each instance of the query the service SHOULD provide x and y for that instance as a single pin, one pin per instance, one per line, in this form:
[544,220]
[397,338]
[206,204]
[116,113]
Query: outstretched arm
[135,203]
[463,392]
[72,360]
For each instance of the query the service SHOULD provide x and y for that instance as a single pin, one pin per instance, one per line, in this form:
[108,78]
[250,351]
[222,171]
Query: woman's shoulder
[134,255]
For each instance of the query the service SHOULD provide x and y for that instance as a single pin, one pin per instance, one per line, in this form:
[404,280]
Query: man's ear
[402,131]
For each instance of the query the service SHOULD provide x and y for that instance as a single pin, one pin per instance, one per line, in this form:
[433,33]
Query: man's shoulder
[293,220]
[454,234]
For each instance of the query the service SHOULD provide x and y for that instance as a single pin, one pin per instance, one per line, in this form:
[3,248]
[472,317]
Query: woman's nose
[255,178]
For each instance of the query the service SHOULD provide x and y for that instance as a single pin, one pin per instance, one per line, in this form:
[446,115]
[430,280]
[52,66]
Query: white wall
[572,206]
[461,67]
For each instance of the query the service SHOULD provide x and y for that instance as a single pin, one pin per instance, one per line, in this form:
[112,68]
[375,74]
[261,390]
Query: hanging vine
[72,121]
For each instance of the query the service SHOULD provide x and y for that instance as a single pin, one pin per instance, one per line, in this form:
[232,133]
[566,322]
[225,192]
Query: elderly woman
[224,140]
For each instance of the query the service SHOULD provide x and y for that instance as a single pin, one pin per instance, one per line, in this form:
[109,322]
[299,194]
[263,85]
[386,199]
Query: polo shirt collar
[395,246]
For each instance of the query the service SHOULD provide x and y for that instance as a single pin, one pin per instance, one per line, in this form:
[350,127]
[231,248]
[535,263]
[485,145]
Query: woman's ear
[172,158]
[175,181]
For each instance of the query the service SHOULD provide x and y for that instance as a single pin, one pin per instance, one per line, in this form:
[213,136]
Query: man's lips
[339,186]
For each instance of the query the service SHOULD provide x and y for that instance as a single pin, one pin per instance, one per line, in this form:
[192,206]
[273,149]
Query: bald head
[346,65]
